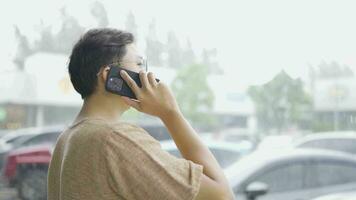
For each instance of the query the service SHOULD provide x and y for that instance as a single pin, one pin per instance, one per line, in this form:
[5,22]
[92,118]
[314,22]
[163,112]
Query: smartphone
[117,85]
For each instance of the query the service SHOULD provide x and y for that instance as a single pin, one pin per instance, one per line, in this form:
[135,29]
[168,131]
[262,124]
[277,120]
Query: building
[42,94]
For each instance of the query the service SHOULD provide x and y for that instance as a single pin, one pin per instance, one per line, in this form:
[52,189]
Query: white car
[292,174]
[338,196]
[344,141]
[226,153]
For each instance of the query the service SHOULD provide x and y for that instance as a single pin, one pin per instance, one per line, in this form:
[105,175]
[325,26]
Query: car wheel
[33,185]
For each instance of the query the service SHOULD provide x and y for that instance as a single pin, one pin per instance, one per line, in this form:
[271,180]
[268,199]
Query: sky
[254,39]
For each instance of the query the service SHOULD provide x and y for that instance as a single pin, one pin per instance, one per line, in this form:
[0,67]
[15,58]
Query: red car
[26,169]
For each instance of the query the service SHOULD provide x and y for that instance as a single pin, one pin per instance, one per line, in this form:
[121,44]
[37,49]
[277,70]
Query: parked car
[26,137]
[26,166]
[26,169]
[338,141]
[225,153]
[3,132]
[338,196]
[156,130]
[292,174]
[12,140]
[7,140]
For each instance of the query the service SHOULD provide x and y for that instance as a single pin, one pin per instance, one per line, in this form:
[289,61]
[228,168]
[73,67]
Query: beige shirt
[97,160]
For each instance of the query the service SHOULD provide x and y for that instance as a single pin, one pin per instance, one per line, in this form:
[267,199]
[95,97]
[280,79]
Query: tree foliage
[281,103]
[194,95]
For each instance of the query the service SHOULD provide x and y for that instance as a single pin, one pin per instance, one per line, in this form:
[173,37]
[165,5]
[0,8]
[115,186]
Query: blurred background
[267,84]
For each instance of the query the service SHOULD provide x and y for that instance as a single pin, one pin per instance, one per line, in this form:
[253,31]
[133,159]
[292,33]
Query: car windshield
[19,139]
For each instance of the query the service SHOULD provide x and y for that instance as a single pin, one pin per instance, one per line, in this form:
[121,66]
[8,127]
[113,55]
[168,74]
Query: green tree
[281,103]
[194,95]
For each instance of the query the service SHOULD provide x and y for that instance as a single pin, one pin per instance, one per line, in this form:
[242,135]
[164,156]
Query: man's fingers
[131,102]
[130,82]
[144,80]
[151,78]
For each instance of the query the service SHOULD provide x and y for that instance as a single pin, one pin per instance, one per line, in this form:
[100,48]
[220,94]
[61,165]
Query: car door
[330,176]
[285,181]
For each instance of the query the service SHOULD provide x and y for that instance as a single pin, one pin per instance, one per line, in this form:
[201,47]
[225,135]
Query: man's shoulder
[119,132]
[102,126]
[131,131]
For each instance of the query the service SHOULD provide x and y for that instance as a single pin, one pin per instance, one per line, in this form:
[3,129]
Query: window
[332,173]
[284,178]
[43,138]
[19,140]
[345,145]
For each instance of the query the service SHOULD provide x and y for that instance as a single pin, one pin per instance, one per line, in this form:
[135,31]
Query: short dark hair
[95,49]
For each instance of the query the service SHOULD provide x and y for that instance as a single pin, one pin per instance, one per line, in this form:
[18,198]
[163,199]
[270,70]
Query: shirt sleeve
[138,168]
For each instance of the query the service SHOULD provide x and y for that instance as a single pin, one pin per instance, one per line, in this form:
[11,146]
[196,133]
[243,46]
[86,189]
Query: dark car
[338,141]
[294,174]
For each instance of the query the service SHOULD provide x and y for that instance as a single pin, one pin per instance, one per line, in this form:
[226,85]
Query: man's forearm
[191,147]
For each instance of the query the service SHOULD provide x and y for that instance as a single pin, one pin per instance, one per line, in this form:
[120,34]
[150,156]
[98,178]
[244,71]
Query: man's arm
[213,184]
[156,99]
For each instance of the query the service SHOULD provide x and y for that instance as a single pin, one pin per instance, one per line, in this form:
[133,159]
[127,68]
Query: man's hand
[154,98]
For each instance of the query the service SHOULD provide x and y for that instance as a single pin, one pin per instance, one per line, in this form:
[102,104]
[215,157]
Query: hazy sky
[255,39]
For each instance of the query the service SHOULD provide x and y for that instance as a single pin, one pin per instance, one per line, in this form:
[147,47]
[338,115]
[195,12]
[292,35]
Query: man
[101,157]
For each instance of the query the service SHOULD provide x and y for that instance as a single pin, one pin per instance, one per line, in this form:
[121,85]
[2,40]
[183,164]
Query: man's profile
[101,157]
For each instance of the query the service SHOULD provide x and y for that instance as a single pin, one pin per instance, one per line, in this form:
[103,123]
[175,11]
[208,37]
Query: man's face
[132,60]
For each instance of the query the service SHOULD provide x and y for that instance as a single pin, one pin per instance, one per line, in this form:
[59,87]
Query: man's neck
[101,107]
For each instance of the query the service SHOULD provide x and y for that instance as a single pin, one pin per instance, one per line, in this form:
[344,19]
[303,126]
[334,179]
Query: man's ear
[104,73]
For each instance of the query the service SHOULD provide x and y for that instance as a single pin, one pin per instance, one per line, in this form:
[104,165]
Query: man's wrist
[171,115]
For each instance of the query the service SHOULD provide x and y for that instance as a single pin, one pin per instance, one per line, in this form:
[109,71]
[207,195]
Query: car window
[283,178]
[331,173]
[20,139]
[344,145]
[224,157]
[14,139]
[43,138]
